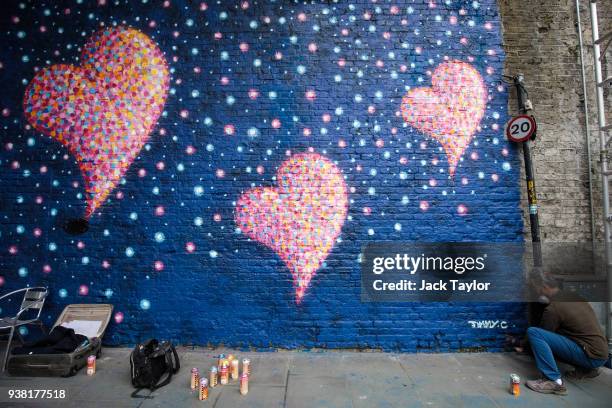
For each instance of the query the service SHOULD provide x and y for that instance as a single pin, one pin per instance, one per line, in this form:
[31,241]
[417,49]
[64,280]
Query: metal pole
[531,191]
[604,160]
[587,123]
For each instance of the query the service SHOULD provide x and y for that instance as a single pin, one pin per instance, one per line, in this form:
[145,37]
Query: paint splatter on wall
[234,157]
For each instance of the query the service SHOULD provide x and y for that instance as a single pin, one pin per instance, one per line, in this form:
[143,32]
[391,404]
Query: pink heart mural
[301,218]
[450,111]
[103,110]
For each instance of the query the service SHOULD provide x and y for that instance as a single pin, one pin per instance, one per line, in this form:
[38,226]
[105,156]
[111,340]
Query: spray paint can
[220,361]
[244,384]
[213,378]
[195,379]
[235,369]
[515,385]
[203,394]
[224,374]
[91,365]
[246,366]
[230,358]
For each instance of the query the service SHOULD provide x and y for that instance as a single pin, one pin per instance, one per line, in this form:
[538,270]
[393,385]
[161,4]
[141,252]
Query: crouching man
[569,331]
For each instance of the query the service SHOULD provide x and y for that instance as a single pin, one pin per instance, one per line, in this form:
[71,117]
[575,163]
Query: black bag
[59,341]
[149,362]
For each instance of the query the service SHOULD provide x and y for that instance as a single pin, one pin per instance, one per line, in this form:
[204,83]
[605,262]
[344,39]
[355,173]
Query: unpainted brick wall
[541,41]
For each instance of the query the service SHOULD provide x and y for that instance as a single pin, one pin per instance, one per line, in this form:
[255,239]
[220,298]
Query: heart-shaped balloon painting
[104,109]
[450,111]
[300,219]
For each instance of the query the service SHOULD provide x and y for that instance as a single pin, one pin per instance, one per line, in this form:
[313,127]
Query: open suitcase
[86,319]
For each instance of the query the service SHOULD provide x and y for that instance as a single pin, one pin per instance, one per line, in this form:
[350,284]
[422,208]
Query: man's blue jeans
[547,345]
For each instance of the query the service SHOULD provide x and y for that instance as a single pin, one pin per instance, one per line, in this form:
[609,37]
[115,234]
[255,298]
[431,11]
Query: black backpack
[149,362]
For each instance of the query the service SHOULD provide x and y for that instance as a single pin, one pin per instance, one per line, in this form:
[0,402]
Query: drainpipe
[586,121]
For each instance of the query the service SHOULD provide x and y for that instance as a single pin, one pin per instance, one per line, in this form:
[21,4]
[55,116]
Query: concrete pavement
[335,379]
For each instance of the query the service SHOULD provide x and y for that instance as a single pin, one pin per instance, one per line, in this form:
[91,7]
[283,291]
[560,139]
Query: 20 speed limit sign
[520,128]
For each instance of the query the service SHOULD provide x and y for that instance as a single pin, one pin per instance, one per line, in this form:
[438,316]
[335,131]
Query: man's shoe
[582,374]
[545,386]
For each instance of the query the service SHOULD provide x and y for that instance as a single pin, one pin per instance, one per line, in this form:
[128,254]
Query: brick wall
[197,233]
[541,41]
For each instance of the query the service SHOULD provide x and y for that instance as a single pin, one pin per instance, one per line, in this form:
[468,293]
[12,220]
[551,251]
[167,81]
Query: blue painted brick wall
[230,289]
